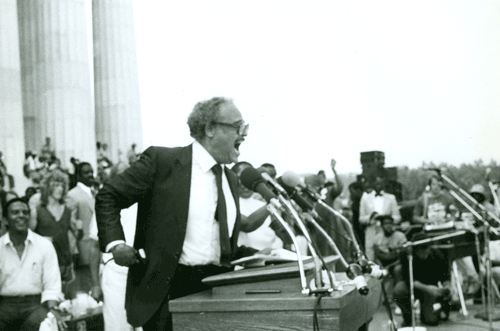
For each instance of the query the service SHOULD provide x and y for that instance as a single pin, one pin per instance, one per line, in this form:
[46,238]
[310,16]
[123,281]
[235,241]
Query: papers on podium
[259,260]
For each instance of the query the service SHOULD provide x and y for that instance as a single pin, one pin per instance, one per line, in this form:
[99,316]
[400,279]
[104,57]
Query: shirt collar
[85,188]
[203,157]
[29,238]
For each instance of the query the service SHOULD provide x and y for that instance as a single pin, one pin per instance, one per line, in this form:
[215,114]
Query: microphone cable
[315,312]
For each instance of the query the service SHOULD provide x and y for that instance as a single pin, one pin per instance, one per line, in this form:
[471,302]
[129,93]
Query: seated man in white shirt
[30,282]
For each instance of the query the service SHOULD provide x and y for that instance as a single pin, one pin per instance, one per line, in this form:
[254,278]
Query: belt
[20,297]
[208,270]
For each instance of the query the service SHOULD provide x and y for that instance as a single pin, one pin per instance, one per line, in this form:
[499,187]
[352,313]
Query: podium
[269,298]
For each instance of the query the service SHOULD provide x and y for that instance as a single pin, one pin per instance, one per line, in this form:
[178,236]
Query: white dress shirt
[36,272]
[378,202]
[202,243]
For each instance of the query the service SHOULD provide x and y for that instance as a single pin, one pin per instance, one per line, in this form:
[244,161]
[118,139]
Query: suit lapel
[181,172]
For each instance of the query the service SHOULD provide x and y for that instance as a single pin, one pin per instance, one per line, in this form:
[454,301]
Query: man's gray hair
[204,113]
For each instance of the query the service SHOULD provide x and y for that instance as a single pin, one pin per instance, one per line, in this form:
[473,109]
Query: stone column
[116,82]
[11,111]
[55,69]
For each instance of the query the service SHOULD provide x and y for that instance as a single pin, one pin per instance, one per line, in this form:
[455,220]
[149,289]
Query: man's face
[87,175]
[225,142]
[18,217]
[423,251]
[478,197]
[388,227]
[435,185]
[378,185]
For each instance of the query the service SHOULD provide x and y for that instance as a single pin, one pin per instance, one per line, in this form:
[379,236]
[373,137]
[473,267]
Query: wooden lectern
[270,298]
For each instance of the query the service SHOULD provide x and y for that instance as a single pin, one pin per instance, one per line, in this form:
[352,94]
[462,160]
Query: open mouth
[237,146]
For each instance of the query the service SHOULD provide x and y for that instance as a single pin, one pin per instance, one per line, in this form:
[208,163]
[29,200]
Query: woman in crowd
[54,220]
[433,207]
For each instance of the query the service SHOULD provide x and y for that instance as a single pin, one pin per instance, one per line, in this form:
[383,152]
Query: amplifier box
[372,157]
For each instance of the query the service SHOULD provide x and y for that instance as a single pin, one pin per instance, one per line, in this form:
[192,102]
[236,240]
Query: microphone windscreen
[290,178]
[250,178]
[289,189]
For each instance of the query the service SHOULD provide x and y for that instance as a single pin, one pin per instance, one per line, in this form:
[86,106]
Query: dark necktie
[221,217]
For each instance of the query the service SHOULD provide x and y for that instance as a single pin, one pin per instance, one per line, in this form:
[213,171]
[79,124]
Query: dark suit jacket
[160,182]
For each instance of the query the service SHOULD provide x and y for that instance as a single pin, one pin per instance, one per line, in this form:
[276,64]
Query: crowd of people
[166,218]
[61,205]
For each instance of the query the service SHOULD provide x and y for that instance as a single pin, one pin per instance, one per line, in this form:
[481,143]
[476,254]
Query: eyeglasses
[241,129]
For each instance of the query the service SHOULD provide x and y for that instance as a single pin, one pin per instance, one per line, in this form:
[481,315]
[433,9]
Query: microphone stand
[319,263]
[458,188]
[412,292]
[495,196]
[493,192]
[359,252]
[313,195]
[273,207]
[409,245]
[488,314]
[318,274]
[330,241]
[487,229]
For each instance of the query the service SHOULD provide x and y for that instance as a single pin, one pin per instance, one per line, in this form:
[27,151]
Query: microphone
[372,268]
[253,180]
[488,172]
[285,202]
[270,180]
[378,272]
[355,273]
[292,179]
[295,195]
[365,265]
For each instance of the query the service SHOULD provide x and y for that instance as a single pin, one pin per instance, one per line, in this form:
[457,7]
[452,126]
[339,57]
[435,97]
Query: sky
[316,80]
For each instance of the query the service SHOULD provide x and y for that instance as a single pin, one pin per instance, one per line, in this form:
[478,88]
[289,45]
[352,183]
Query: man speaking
[188,216]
